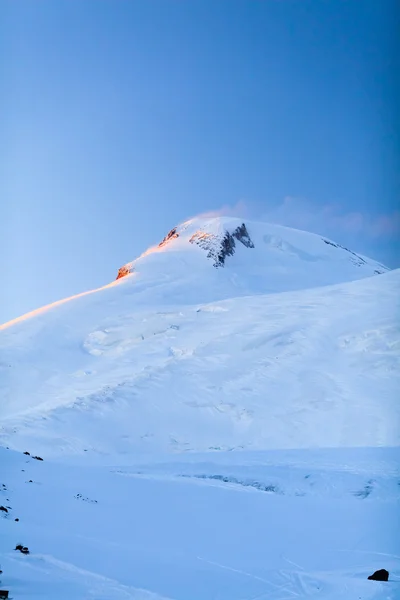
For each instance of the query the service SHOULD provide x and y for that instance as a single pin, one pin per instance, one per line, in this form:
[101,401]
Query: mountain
[194,349]
[221,421]
[247,258]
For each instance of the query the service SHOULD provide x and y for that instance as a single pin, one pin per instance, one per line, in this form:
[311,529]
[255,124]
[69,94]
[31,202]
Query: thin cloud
[239,209]
[332,218]
[387,225]
[373,235]
[325,219]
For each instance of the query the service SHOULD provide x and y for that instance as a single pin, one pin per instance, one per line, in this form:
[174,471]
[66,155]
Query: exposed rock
[242,235]
[170,236]
[80,497]
[381,575]
[227,249]
[123,272]
[27,453]
[128,268]
[22,549]
[355,258]
[4,509]
[37,457]
[218,248]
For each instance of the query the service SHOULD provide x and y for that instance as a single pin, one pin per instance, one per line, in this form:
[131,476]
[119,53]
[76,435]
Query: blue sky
[126,117]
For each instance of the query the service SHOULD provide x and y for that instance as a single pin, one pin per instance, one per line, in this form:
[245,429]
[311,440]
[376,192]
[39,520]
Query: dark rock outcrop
[227,248]
[381,575]
[22,549]
[355,258]
[242,235]
[228,245]
[218,249]
[170,236]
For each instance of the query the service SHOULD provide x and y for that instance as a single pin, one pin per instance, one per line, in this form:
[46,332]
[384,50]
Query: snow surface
[226,526]
[208,432]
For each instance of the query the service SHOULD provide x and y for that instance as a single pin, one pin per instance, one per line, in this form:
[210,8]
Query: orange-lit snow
[52,305]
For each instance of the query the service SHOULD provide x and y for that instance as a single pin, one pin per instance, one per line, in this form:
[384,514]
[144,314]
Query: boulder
[381,575]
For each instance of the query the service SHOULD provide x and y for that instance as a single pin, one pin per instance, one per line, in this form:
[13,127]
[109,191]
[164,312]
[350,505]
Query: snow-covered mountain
[195,349]
[198,419]
[248,258]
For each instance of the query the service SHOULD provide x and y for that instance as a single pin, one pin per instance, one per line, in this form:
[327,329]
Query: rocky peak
[219,247]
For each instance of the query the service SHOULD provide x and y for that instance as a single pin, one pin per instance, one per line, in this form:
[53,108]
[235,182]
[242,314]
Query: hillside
[127,368]
[220,422]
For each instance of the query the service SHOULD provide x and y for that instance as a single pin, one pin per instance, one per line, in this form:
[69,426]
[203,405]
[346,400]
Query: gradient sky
[121,118]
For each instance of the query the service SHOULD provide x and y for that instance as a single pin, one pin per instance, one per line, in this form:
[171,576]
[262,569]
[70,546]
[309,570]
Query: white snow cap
[251,257]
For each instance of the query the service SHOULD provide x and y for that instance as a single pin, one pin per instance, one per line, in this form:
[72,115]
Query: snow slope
[220,423]
[116,372]
[224,526]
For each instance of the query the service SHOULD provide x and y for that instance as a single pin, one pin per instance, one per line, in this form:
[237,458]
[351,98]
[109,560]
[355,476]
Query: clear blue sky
[121,118]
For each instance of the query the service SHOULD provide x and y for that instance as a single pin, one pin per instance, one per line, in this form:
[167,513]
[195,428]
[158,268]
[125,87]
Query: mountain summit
[250,257]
